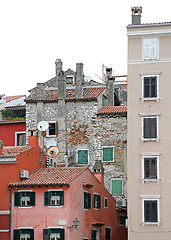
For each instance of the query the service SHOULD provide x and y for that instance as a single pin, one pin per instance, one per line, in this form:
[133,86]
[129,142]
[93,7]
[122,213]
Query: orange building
[16,163]
[63,203]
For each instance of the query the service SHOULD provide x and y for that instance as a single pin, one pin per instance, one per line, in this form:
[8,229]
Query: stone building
[86,124]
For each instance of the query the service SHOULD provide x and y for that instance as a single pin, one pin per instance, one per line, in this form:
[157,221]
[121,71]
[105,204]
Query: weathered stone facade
[83,129]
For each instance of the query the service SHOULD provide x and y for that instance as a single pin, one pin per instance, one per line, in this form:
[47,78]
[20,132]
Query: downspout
[10,213]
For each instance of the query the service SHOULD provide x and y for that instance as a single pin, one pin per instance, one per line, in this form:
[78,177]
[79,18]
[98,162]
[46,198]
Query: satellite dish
[42,126]
[50,143]
[53,151]
[87,78]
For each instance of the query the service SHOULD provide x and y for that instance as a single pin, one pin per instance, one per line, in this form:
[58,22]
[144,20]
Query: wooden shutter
[146,87]
[82,156]
[107,233]
[116,186]
[31,234]
[61,193]
[154,211]
[46,198]
[150,211]
[32,198]
[108,154]
[93,235]
[16,234]
[16,199]
[153,87]
[147,128]
[89,200]
[45,234]
[153,167]
[153,123]
[99,201]
[85,200]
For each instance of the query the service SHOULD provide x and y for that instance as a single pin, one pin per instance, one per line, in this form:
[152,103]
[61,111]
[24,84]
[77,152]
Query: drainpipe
[10,213]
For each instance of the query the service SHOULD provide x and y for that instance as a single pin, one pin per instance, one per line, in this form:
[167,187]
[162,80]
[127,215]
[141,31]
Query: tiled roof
[51,176]
[12,121]
[113,110]
[149,24]
[13,151]
[11,98]
[52,95]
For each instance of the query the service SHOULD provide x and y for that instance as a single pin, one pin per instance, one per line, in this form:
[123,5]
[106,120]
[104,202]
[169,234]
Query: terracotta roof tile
[113,110]
[51,176]
[52,95]
[13,151]
[12,121]
[11,98]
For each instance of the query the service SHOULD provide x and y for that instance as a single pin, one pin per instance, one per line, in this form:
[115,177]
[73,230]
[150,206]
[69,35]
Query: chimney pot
[136,15]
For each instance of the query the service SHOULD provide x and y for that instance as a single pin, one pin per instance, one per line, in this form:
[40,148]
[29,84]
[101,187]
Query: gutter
[10,213]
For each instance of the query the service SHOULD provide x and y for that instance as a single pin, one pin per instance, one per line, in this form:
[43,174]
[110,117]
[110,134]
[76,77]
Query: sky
[34,33]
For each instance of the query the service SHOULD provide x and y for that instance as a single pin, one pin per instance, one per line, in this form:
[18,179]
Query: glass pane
[52,128]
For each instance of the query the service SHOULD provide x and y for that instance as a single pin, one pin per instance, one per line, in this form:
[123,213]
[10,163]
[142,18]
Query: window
[82,156]
[54,198]
[116,186]
[107,233]
[53,129]
[150,49]
[108,154]
[70,79]
[24,199]
[122,219]
[105,202]
[150,128]
[53,234]
[20,138]
[94,235]
[24,234]
[151,210]
[87,200]
[150,87]
[96,201]
[150,167]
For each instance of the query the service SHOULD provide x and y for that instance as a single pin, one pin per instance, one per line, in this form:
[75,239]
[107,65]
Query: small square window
[150,168]
[150,49]
[24,234]
[52,130]
[108,154]
[150,87]
[106,202]
[150,128]
[151,213]
[82,156]
[87,200]
[20,138]
[24,199]
[53,234]
[122,219]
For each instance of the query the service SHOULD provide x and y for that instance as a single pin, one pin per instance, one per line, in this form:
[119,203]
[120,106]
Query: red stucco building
[16,162]
[45,206]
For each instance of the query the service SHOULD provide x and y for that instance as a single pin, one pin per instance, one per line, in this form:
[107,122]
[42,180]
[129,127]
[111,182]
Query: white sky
[34,33]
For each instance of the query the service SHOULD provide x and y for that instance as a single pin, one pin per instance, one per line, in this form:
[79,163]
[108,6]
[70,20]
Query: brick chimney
[136,15]
[79,79]
[1,146]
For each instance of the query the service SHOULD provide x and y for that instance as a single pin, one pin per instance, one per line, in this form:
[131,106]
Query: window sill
[150,180]
[150,99]
[24,207]
[149,139]
[50,136]
[151,223]
[54,206]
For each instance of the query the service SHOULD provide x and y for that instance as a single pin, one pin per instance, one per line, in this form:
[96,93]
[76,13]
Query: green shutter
[62,197]
[46,198]
[89,200]
[32,234]
[32,198]
[45,234]
[82,156]
[108,154]
[16,199]
[85,200]
[99,201]
[116,186]
[102,101]
[16,234]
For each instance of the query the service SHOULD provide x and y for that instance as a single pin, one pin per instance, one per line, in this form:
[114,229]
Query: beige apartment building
[149,129]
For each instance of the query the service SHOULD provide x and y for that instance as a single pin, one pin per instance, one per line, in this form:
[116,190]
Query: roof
[12,121]
[13,151]
[11,98]
[149,24]
[112,110]
[51,177]
[90,93]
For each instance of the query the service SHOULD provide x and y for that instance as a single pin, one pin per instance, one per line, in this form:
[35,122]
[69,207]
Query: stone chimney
[79,79]
[1,146]
[110,87]
[58,63]
[136,15]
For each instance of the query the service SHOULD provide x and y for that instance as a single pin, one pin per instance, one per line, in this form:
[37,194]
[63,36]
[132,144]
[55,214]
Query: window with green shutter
[82,156]
[117,186]
[54,198]
[87,200]
[108,154]
[24,199]
[53,234]
[23,234]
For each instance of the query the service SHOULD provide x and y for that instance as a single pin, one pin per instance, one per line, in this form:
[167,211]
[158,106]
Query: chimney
[1,146]
[58,63]
[136,15]
[99,171]
[110,87]
[79,79]
[61,80]
[33,141]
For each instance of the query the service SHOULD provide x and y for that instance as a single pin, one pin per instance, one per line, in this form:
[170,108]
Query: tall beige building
[149,129]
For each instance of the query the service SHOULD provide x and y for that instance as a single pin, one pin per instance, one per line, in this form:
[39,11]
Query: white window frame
[122,186]
[104,202]
[47,131]
[80,149]
[150,180]
[150,75]
[55,190]
[21,192]
[93,200]
[151,198]
[144,58]
[113,153]
[17,133]
[69,76]
[143,116]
